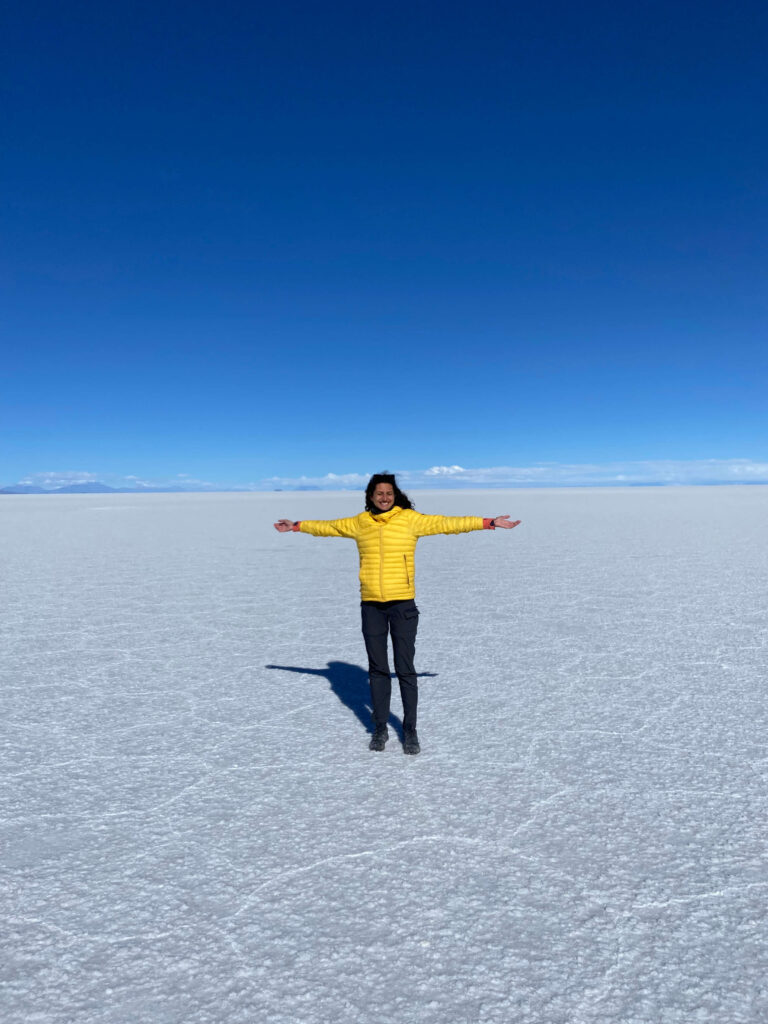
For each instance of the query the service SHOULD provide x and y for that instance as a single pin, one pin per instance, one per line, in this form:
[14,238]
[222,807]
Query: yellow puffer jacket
[387,544]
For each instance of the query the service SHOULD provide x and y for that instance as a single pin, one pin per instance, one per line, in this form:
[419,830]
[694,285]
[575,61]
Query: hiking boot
[379,738]
[411,742]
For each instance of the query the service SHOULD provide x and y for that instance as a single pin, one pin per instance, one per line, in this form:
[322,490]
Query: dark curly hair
[402,500]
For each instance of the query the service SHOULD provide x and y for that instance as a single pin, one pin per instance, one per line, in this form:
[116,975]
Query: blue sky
[250,243]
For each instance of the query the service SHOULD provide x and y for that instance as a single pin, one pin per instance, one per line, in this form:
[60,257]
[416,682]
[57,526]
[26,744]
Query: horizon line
[638,473]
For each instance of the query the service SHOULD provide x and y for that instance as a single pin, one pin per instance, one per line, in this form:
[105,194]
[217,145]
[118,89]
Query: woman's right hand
[284,525]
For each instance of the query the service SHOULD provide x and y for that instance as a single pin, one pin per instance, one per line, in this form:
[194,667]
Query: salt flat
[193,829]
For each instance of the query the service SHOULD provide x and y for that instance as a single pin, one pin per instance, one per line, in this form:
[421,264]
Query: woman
[386,535]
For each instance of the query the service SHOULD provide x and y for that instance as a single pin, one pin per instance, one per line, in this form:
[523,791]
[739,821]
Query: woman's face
[383,497]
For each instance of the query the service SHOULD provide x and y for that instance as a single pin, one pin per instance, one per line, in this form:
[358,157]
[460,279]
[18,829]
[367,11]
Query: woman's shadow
[350,684]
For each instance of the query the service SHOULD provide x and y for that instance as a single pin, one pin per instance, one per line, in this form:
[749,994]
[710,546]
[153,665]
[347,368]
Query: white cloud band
[544,474]
[551,474]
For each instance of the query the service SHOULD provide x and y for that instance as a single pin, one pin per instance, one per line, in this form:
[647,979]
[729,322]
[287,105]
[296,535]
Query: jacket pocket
[407,574]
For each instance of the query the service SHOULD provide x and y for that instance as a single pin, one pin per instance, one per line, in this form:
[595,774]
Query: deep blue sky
[254,240]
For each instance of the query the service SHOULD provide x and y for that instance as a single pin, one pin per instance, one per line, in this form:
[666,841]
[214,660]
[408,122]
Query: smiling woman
[386,534]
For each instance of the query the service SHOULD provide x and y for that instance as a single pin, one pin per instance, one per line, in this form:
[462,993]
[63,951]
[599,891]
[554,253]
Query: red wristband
[488,524]
[296,526]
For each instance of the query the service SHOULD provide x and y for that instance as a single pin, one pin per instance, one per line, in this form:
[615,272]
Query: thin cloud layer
[67,478]
[50,481]
[551,474]
[545,474]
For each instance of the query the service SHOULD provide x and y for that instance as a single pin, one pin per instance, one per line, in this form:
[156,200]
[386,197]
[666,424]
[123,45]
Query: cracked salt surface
[194,831]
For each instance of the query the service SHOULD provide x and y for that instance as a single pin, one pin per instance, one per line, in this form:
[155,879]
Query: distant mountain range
[99,488]
[93,488]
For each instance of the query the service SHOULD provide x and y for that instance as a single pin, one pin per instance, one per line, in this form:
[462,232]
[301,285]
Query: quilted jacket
[386,542]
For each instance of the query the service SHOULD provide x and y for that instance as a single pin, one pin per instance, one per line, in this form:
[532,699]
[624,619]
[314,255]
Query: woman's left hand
[502,522]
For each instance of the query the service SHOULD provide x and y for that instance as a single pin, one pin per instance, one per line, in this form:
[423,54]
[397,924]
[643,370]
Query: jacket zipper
[381,563]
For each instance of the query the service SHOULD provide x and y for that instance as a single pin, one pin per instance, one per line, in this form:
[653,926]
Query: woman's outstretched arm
[426,526]
[320,527]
